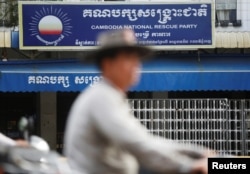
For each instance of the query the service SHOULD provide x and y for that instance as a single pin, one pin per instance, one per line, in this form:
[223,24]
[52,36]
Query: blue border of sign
[50,25]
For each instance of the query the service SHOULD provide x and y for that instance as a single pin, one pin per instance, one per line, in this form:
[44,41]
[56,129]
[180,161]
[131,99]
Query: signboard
[50,25]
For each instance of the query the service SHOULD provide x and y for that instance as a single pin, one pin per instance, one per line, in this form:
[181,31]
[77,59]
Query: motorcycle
[37,158]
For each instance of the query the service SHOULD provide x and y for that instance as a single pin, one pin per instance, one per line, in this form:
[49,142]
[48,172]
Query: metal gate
[221,124]
[239,111]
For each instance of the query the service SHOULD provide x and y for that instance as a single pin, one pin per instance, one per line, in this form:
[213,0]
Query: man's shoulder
[99,91]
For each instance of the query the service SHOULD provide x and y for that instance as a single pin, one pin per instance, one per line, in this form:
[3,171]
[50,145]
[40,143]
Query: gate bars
[221,124]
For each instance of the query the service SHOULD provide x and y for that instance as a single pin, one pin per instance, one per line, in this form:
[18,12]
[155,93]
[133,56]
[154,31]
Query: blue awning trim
[38,76]
[232,81]
[190,73]
[175,73]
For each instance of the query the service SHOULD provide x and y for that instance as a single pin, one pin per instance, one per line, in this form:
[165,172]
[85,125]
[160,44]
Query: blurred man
[103,137]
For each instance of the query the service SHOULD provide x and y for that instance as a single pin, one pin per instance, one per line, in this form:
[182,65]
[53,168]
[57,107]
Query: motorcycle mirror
[26,126]
[23,127]
[23,124]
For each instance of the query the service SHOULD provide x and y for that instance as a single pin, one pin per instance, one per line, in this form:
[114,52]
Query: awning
[193,73]
[232,39]
[9,39]
[5,40]
[175,73]
[38,76]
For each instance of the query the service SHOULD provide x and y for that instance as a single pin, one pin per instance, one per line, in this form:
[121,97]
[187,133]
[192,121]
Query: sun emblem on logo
[50,26]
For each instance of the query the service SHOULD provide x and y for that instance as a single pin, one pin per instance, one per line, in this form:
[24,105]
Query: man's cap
[123,39]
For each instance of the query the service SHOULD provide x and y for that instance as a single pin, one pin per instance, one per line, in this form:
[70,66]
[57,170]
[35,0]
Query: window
[226,13]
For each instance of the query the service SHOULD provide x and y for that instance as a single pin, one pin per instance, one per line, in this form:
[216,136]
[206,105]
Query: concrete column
[48,115]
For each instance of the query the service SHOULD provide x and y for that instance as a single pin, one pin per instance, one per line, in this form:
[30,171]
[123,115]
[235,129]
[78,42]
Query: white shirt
[103,137]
